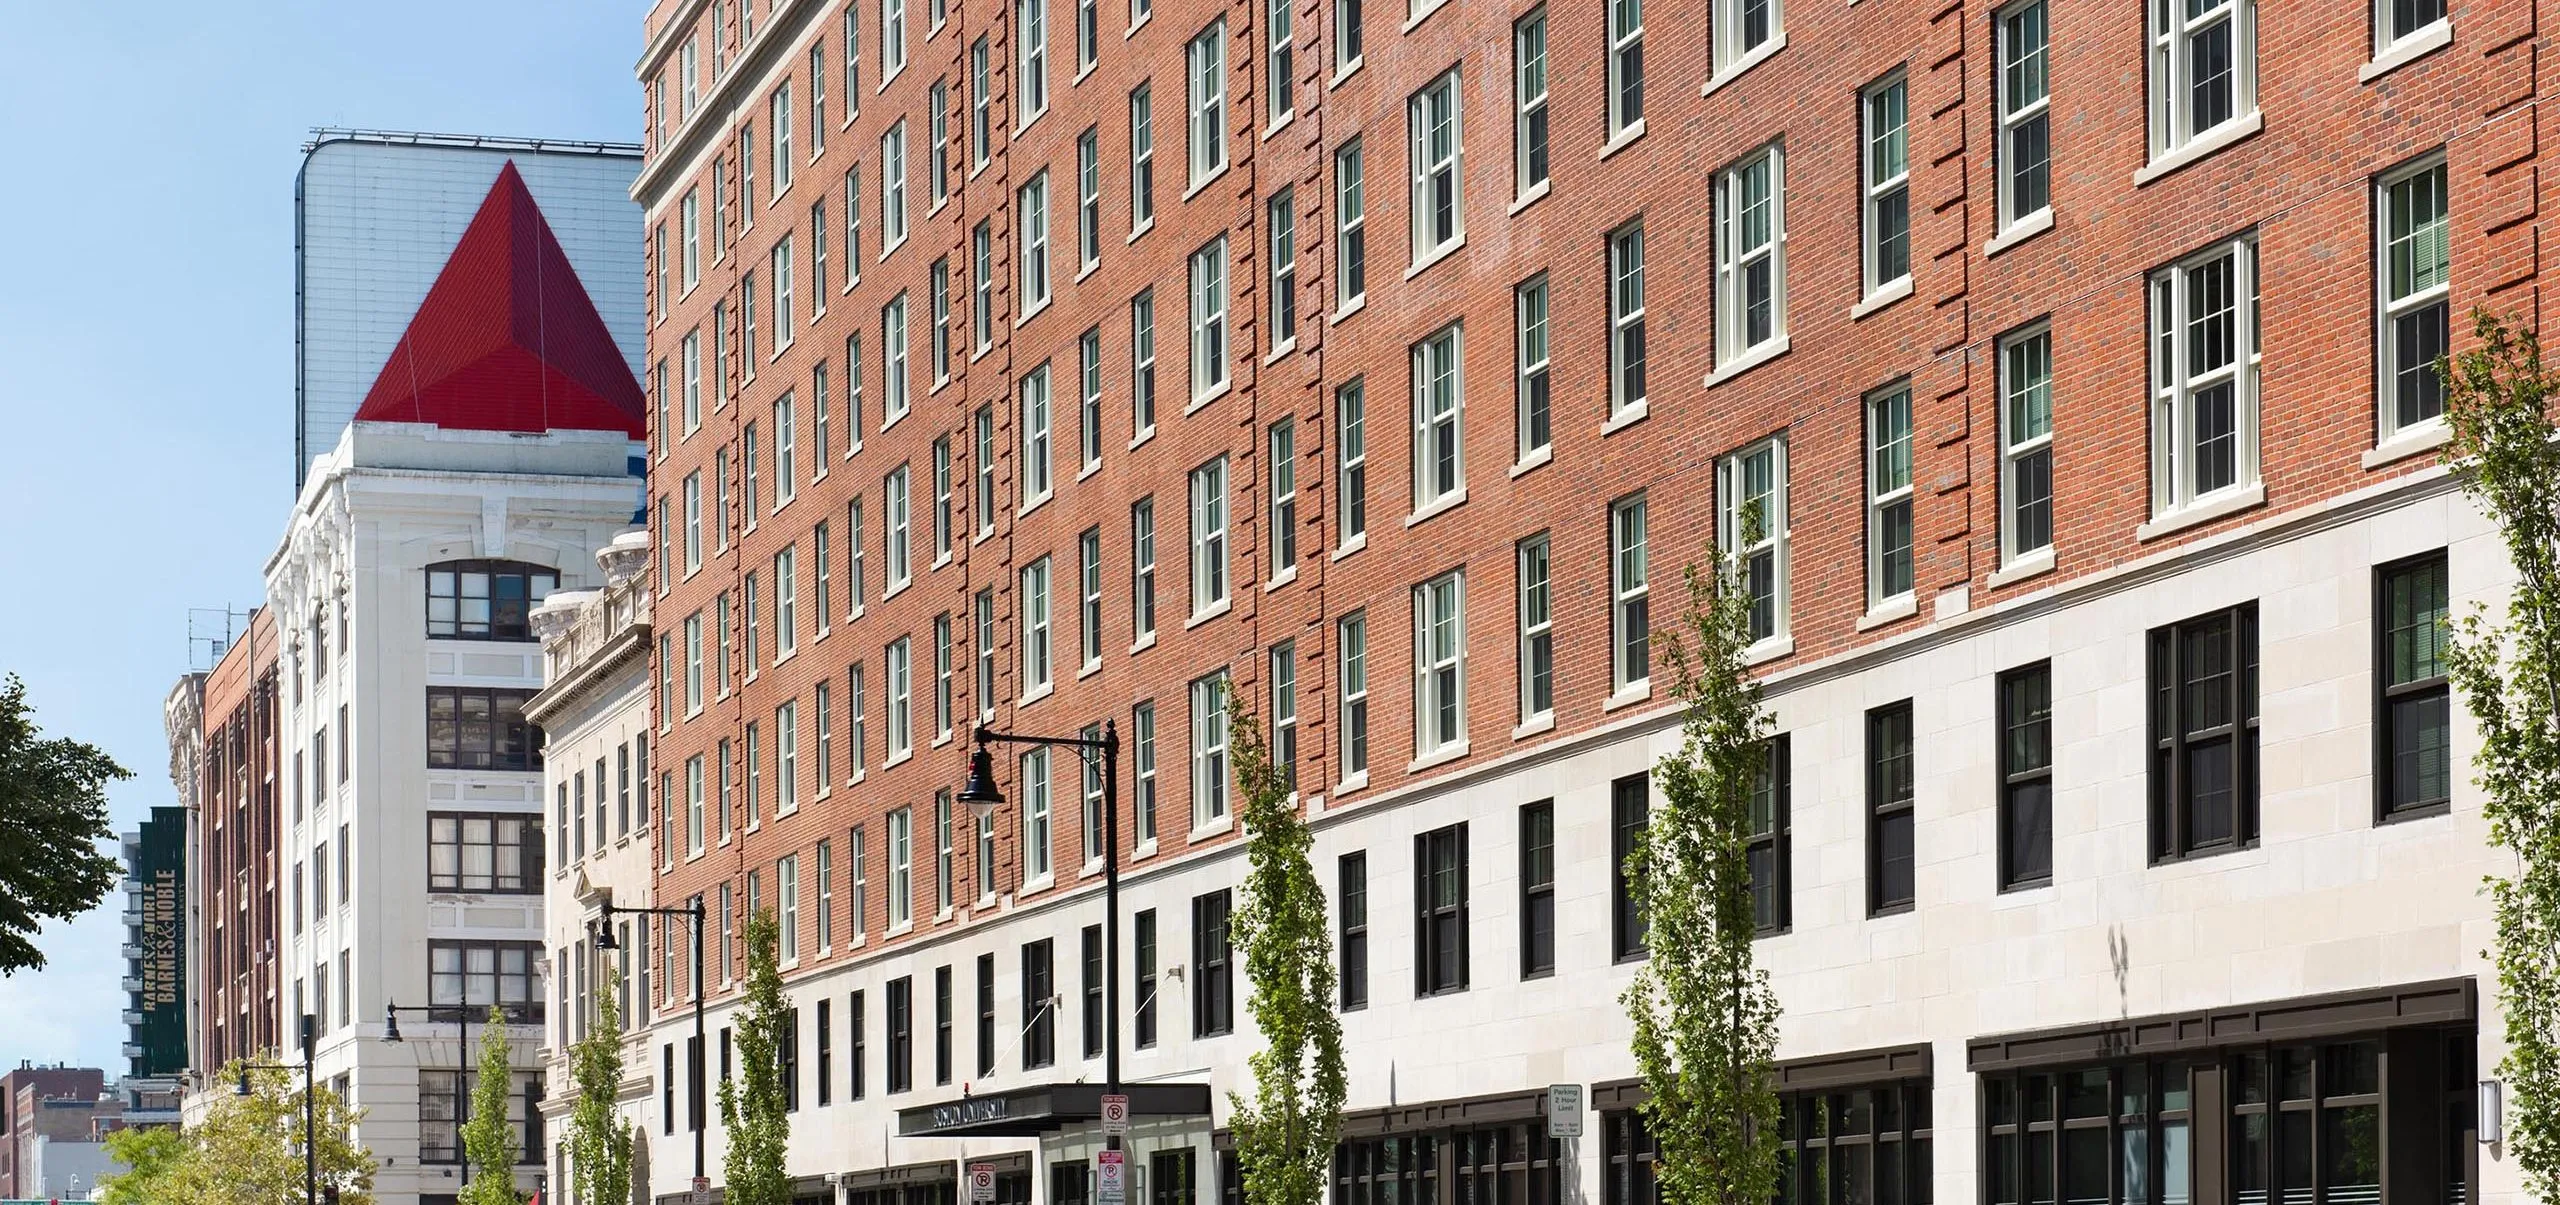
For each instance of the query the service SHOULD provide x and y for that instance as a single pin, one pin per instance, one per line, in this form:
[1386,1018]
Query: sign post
[1564,1110]
[982,1183]
[1111,1177]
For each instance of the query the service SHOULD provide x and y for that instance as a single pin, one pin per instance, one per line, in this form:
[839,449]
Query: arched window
[485,600]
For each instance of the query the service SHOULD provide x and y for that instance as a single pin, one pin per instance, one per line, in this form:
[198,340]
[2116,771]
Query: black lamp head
[390,1022]
[980,792]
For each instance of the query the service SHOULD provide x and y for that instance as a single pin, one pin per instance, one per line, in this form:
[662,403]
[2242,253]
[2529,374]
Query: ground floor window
[1507,1163]
[1868,1145]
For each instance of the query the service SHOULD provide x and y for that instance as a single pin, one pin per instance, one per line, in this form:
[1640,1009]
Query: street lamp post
[310,1132]
[605,940]
[983,796]
[438,1012]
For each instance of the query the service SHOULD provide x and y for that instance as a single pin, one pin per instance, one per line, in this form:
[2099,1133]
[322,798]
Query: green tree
[248,1149]
[752,1111]
[2498,398]
[53,797]
[599,1139]
[488,1141]
[151,1159]
[1705,1018]
[1285,1132]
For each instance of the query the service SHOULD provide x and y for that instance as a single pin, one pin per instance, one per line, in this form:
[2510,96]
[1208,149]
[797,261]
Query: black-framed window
[1538,889]
[444,1095]
[485,600]
[1172,1176]
[1628,1152]
[1039,1005]
[1351,916]
[1070,1182]
[986,1014]
[667,1088]
[787,1060]
[1630,807]
[1857,1144]
[492,853]
[826,1070]
[1889,819]
[1213,999]
[2204,734]
[1440,911]
[2026,776]
[1770,854]
[482,973]
[1144,1015]
[1509,1164]
[901,1051]
[1090,1019]
[855,1035]
[2413,710]
[942,1024]
[474,728]
[1391,1169]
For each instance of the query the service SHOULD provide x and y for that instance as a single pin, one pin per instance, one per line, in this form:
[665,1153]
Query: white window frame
[1037,654]
[786,450]
[1142,571]
[983,617]
[893,341]
[1735,49]
[1772,540]
[1884,173]
[1440,666]
[1351,465]
[2026,431]
[2388,38]
[2432,285]
[1437,163]
[1282,490]
[1205,69]
[1212,348]
[1734,260]
[1278,65]
[1142,366]
[982,287]
[1629,351]
[893,188]
[902,732]
[1089,403]
[778,127]
[937,132]
[902,870]
[1037,833]
[893,40]
[2172,32]
[944,521]
[1033,415]
[943,700]
[1031,243]
[1533,562]
[1532,142]
[1630,597]
[938,332]
[786,603]
[896,500]
[1889,488]
[1533,414]
[1031,59]
[2173,390]
[2023,117]
[1351,228]
[1280,218]
[983,427]
[1088,197]
[1142,159]
[981,101]
[1212,772]
[1351,637]
[1089,596]
[1437,358]
[1209,566]
[786,758]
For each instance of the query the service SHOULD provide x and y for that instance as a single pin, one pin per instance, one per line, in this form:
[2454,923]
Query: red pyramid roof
[507,339]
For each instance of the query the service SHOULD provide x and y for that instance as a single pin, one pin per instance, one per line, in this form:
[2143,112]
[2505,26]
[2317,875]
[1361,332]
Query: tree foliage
[2498,401]
[53,806]
[488,1142]
[1705,1018]
[751,1105]
[1285,1133]
[246,1151]
[599,1137]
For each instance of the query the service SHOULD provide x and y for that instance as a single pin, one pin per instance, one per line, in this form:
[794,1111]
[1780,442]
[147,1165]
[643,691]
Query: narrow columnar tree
[1285,1132]
[599,1139]
[487,1139]
[1705,1018]
[2498,400]
[751,1105]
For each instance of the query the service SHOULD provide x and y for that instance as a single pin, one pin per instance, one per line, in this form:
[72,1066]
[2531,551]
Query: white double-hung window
[1035,466]
[1536,420]
[1626,322]
[1744,31]
[1630,598]
[1209,769]
[2204,70]
[1439,206]
[1209,351]
[1751,256]
[1751,528]
[1031,61]
[1439,410]
[2416,310]
[2026,444]
[2204,376]
[1206,61]
[1440,665]
[2025,153]
[1035,628]
[1208,536]
[1626,67]
[1886,120]
[2410,27]
[1889,496]
[1031,242]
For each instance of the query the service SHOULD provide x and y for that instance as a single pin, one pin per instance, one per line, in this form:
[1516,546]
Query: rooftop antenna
[210,634]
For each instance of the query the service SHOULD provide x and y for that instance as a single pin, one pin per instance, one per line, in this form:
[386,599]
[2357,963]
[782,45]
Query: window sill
[942,738]
[1084,71]
[1134,27]
[1277,126]
[2411,441]
[1435,255]
[1035,883]
[1532,461]
[1891,610]
[1424,15]
[2436,36]
[1282,578]
[1346,71]
[1140,438]
[898,759]
[1354,306]
[2228,502]
[1622,139]
[1747,361]
[1089,669]
[895,589]
[1037,501]
[1438,757]
[1139,229]
[1881,298]
[1352,545]
[1203,182]
[1036,309]
[1535,193]
[1770,649]
[1627,416]
[1091,867]
[2032,565]
[1034,695]
[1144,849]
[1281,352]
[1449,501]
[1217,827]
[1213,611]
[1086,271]
[1629,695]
[2019,231]
[1218,391]
[892,248]
[1088,471]
[901,929]
[1355,782]
[2201,147]
[1532,727]
[1142,644]
[1734,70]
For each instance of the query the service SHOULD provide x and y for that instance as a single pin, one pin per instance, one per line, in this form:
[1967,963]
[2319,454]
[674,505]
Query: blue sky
[146,319]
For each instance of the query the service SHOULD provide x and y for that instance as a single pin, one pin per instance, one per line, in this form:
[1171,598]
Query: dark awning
[1032,1111]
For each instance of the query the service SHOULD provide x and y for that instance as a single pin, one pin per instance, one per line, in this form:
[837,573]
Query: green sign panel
[159,865]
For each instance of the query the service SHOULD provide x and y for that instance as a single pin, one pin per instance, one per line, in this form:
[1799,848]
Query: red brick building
[2012,350]
[238,1014]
